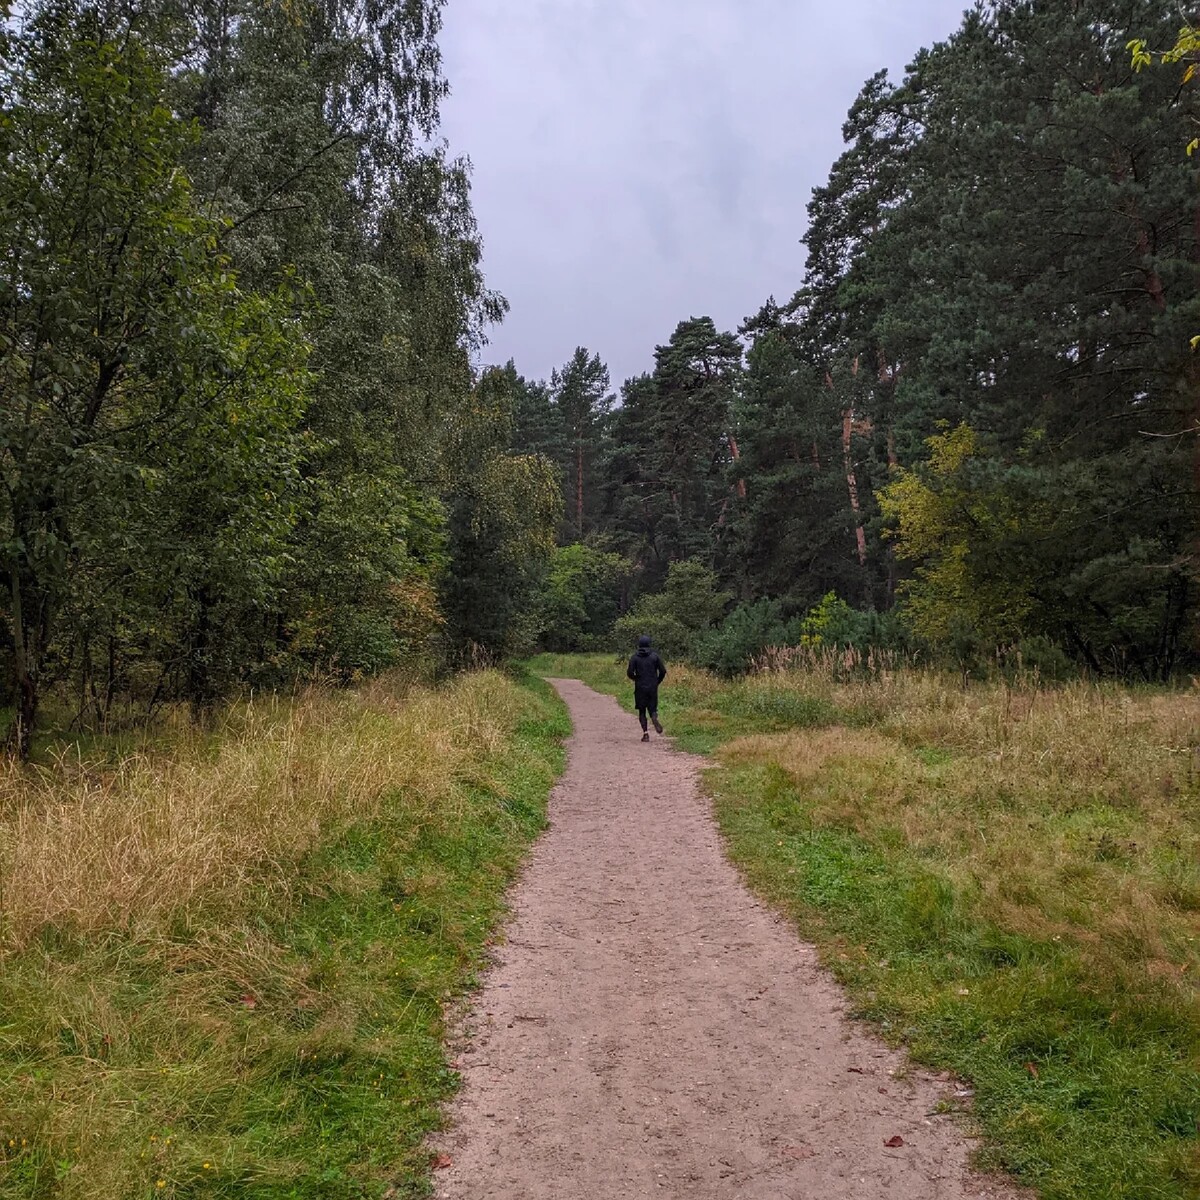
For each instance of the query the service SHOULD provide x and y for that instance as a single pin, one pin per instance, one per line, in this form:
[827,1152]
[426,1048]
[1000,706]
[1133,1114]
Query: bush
[1042,658]
[581,600]
[749,630]
[676,618]
[833,623]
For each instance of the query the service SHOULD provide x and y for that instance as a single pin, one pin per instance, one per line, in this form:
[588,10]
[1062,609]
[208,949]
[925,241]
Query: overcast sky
[638,162]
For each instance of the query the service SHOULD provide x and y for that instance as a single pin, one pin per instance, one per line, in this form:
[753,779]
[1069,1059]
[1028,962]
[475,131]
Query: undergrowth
[225,957]
[1006,878]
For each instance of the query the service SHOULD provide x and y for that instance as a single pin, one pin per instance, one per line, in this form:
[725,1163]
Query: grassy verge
[1007,879]
[224,960]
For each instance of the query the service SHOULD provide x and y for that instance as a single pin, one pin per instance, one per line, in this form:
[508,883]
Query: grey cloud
[637,162]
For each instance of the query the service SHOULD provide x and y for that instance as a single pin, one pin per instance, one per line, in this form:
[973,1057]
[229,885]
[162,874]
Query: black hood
[646,669]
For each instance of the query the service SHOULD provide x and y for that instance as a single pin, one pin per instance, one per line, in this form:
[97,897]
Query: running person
[647,671]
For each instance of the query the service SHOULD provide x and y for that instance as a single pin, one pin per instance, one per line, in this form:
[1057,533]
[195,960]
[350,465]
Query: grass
[1006,878]
[225,957]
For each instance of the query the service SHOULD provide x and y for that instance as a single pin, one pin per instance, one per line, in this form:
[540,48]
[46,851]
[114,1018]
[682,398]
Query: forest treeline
[972,428]
[242,435]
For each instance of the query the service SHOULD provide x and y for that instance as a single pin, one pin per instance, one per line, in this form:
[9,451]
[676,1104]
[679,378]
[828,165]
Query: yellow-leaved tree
[961,527]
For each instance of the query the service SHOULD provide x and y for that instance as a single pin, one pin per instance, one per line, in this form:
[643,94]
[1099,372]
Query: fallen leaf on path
[441,1162]
[894,1143]
[799,1152]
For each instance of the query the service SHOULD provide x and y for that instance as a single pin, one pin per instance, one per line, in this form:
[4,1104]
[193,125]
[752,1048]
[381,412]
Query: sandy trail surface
[651,1029]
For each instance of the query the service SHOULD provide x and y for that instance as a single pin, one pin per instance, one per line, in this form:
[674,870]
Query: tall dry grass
[1068,812]
[224,954]
[194,818]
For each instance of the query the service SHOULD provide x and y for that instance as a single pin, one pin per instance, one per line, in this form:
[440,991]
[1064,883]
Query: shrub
[676,618]
[582,597]
[833,623]
[744,635]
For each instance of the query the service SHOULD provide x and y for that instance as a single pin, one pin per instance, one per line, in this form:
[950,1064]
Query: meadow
[227,954]
[1005,876]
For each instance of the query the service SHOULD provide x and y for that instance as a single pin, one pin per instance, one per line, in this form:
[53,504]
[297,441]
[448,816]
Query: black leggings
[646,700]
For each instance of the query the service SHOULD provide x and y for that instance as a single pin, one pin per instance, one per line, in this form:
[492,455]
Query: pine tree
[582,401]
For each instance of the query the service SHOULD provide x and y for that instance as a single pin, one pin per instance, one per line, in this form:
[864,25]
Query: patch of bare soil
[651,1029]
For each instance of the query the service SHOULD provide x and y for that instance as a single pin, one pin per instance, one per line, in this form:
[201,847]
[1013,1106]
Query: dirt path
[651,1029]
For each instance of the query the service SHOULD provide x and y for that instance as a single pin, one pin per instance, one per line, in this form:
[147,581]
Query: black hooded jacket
[646,669]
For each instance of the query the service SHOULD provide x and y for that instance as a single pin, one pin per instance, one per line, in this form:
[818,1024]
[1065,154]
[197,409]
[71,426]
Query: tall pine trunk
[860,534]
[579,487]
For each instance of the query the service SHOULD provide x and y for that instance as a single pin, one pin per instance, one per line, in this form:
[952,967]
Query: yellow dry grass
[193,818]
[1071,812]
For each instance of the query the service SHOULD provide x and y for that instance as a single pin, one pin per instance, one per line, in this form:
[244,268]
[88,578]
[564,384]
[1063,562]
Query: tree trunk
[199,666]
[737,457]
[20,733]
[1192,430]
[860,534]
[579,488]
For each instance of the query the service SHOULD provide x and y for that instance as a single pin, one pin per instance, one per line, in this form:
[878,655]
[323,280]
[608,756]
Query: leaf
[1032,1069]
[441,1162]
[894,1143]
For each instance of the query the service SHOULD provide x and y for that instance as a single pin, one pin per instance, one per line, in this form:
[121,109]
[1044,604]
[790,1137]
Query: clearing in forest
[651,1029]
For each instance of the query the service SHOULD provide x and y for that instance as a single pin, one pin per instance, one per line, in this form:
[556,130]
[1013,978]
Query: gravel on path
[651,1029]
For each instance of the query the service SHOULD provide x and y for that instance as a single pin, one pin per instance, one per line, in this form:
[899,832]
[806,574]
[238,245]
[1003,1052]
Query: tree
[503,513]
[954,527]
[134,375]
[674,440]
[1010,243]
[318,131]
[581,598]
[794,533]
[582,400]
[690,604]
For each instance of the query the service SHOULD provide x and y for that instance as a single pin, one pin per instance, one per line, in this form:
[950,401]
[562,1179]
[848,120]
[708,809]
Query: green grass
[1069,1010]
[296,1054]
[700,720]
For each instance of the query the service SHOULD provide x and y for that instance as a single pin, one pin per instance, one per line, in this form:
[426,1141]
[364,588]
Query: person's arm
[630,672]
[662,669]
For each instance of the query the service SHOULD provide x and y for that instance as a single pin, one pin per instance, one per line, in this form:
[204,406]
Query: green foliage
[236,327]
[732,647]
[582,400]
[292,1043]
[834,624]
[948,524]
[368,583]
[581,598]
[147,430]
[504,512]
[689,605]
[672,447]
[796,507]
